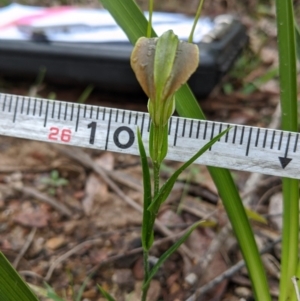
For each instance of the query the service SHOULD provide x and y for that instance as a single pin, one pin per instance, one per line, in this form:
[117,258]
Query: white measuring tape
[244,148]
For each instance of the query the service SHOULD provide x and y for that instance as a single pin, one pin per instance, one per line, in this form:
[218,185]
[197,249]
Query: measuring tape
[244,148]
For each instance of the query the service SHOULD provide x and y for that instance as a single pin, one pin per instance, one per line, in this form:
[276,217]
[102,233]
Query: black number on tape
[92,126]
[117,134]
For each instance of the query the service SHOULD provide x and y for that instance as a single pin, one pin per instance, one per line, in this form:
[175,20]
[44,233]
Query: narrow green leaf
[52,294]
[105,294]
[289,115]
[148,218]
[255,216]
[129,17]
[297,33]
[12,286]
[187,105]
[167,187]
[82,288]
[170,251]
[85,94]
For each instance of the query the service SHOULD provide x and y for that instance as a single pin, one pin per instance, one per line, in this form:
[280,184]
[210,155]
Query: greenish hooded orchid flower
[161,66]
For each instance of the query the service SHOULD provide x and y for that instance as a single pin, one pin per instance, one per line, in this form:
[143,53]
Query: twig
[70,253]
[136,250]
[86,160]
[213,247]
[270,181]
[25,247]
[121,178]
[268,194]
[31,274]
[44,198]
[227,274]
[19,168]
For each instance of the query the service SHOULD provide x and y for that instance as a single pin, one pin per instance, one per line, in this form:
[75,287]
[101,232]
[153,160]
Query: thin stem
[156,169]
[198,13]
[146,274]
[149,27]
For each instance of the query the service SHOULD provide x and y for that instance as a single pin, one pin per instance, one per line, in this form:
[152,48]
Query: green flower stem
[290,187]
[149,28]
[158,144]
[156,169]
[198,13]
[146,274]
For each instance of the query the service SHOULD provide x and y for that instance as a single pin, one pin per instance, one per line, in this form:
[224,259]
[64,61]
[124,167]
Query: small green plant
[85,94]
[161,66]
[54,181]
[75,296]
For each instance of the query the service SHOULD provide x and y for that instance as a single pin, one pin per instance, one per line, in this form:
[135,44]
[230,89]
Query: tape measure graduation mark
[244,148]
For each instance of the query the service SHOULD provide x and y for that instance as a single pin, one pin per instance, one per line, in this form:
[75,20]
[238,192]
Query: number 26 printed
[57,134]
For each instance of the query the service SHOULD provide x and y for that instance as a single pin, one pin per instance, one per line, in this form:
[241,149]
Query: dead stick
[70,253]
[25,247]
[44,198]
[136,250]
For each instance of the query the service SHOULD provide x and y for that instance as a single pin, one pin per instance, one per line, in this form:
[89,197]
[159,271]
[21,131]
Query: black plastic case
[107,66]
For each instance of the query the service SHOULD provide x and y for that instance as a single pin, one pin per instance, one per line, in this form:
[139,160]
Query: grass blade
[105,294]
[129,17]
[170,251]
[297,33]
[82,288]
[52,294]
[12,286]
[148,218]
[252,215]
[167,187]
[187,106]
[290,187]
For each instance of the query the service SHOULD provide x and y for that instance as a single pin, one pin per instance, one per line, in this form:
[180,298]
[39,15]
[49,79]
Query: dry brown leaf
[32,217]
[56,242]
[95,187]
